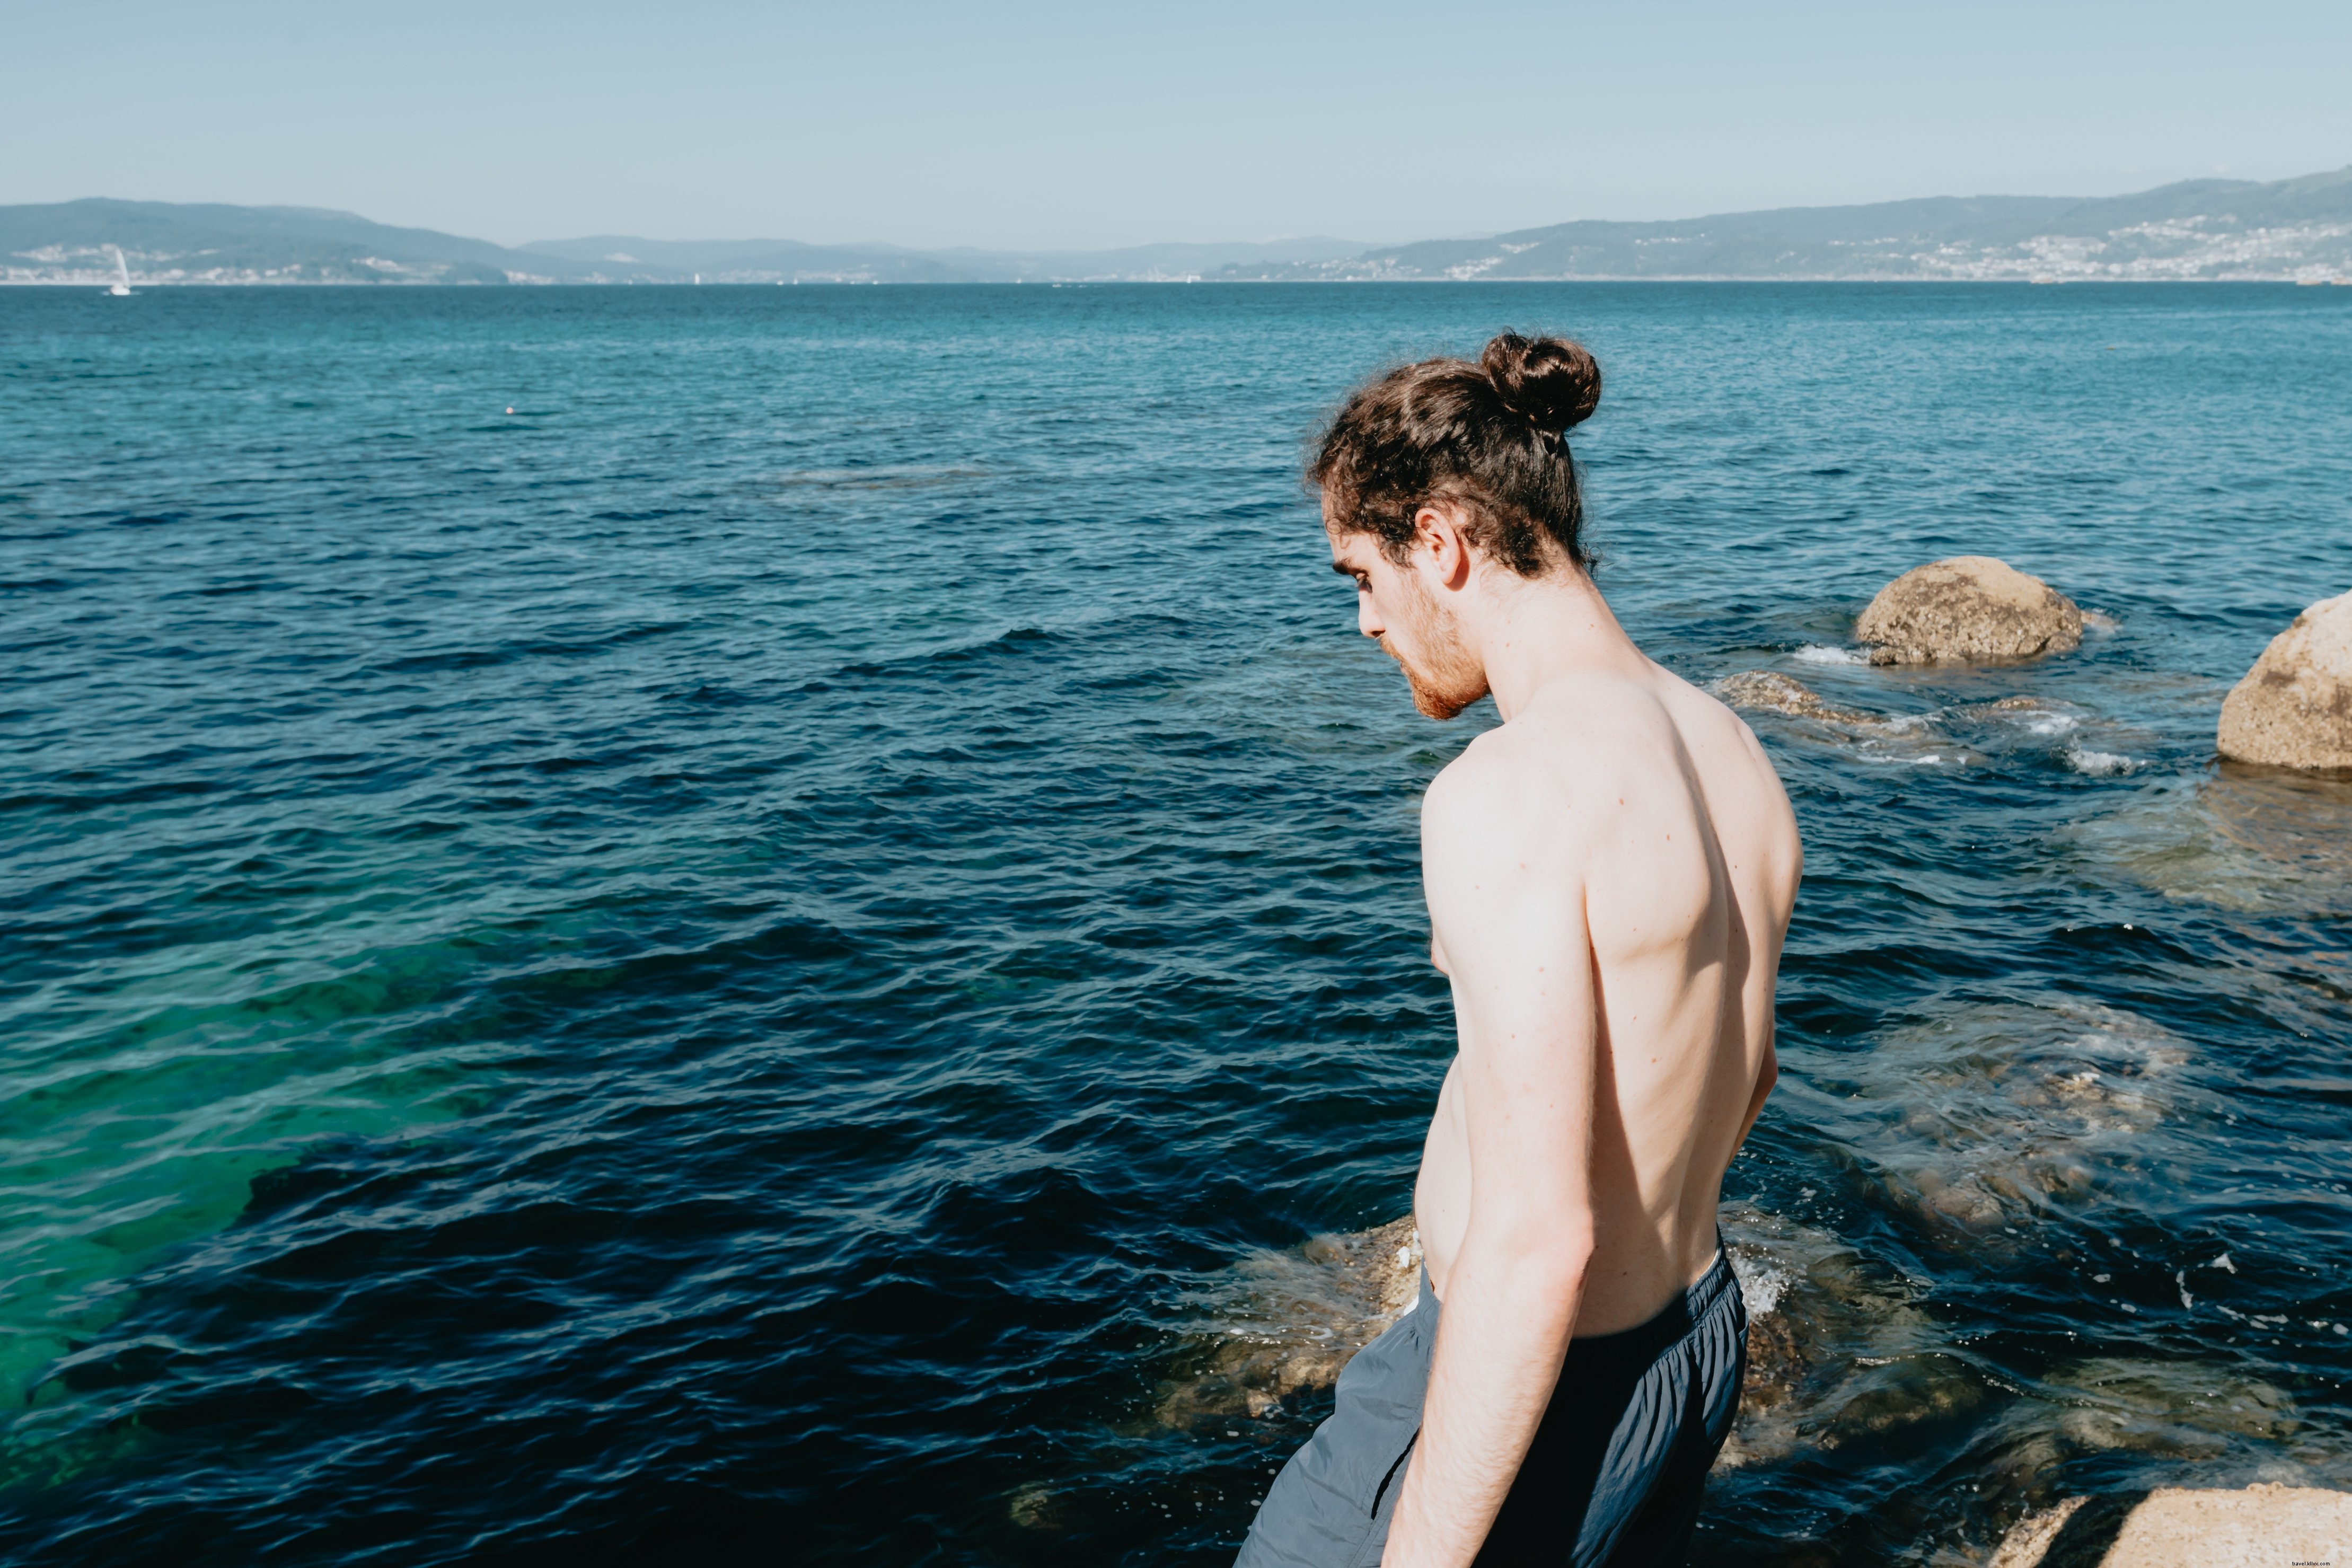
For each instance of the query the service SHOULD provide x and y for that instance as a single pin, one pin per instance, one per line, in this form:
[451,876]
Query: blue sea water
[704,924]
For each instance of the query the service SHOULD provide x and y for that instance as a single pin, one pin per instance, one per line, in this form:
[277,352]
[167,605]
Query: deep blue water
[724,965]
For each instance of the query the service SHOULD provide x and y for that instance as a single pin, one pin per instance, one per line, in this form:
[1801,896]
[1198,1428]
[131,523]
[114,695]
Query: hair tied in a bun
[1484,436]
[1551,382]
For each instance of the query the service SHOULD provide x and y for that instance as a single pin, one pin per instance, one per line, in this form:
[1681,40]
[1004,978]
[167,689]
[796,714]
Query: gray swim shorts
[1613,1478]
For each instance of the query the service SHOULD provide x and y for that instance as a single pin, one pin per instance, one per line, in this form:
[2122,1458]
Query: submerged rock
[2263,1525]
[2268,841]
[1838,1354]
[1991,1114]
[2293,709]
[1969,609]
[2186,1409]
[1034,1508]
[1779,693]
[1284,1323]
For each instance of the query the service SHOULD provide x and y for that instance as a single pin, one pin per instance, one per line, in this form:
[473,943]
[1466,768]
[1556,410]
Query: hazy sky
[1104,124]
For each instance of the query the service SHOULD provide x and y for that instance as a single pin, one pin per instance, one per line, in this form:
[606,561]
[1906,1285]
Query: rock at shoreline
[2293,709]
[1781,694]
[1970,609]
[2264,1526]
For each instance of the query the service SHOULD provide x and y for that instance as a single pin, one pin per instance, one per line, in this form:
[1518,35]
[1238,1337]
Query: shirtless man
[1609,876]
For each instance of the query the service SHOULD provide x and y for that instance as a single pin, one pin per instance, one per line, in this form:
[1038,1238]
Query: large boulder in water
[1970,609]
[2293,709]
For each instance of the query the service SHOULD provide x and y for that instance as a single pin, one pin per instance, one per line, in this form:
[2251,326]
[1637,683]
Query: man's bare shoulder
[1505,857]
[1535,785]
[1482,796]
[1585,763]
[1573,746]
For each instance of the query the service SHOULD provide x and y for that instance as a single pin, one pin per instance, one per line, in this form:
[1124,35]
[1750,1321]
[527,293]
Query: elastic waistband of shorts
[1672,1322]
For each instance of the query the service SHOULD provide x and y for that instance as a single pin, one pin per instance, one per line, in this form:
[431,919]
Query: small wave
[2098,764]
[1882,757]
[2034,715]
[1822,653]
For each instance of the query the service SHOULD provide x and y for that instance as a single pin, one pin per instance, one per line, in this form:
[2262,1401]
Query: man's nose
[1366,622]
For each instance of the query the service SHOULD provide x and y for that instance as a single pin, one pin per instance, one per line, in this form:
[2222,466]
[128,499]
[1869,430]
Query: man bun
[1484,434]
[1552,384]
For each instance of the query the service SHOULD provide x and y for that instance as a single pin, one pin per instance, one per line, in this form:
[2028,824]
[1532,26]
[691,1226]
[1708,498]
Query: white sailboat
[121,285]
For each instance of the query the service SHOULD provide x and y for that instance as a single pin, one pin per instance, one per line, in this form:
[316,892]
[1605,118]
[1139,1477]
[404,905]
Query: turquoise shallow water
[731,958]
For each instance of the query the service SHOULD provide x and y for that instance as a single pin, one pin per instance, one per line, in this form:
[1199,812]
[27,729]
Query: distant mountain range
[2200,229]
[167,242]
[613,259]
[2197,229]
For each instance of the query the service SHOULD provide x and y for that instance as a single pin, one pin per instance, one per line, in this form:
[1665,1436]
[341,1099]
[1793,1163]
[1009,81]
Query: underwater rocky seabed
[789,947]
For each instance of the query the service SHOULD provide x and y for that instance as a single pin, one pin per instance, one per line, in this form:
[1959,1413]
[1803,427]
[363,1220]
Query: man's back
[1652,803]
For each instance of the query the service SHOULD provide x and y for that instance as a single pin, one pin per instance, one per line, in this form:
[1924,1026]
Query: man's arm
[1785,869]
[1766,1076]
[1506,899]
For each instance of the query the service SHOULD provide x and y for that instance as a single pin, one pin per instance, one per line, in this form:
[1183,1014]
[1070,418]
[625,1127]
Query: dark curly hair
[1490,436]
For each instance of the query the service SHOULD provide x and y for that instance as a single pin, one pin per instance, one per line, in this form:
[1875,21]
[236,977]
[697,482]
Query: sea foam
[2098,764]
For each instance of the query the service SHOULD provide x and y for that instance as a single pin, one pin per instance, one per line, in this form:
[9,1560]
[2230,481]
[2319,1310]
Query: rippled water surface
[735,924]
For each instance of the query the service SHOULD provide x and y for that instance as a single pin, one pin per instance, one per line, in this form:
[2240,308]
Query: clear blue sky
[1103,124]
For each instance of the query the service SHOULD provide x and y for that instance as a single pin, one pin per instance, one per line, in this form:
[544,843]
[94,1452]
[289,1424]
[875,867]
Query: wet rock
[2293,709]
[1379,1266]
[1034,1508]
[1970,609]
[1837,1353]
[1282,1324]
[2184,1409]
[1776,693]
[2263,1525]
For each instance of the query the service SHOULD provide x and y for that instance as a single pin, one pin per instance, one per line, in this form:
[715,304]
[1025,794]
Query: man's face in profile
[1396,608]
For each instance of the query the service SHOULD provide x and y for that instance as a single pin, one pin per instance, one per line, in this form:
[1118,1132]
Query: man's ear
[1441,545]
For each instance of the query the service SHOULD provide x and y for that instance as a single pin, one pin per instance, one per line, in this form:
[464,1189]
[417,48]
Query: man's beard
[1444,675]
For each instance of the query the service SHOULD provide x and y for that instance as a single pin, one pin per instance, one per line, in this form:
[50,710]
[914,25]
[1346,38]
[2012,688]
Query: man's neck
[1535,632]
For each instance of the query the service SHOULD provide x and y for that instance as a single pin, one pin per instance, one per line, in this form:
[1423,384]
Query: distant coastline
[2297,230]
